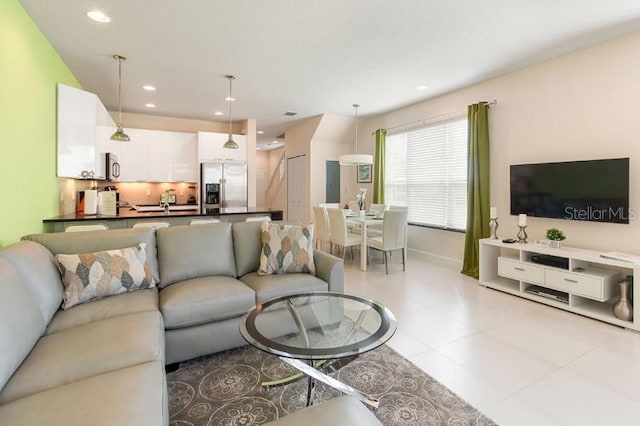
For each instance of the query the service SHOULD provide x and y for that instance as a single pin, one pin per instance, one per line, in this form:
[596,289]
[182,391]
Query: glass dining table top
[318,325]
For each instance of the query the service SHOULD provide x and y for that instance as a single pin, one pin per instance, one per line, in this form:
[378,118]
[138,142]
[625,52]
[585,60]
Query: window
[426,169]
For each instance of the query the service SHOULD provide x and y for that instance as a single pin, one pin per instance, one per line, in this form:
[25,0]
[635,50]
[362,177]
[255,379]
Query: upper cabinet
[77,127]
[157,156]
[210,147]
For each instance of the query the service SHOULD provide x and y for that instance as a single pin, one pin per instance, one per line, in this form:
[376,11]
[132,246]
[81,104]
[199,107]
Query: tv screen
[594,190]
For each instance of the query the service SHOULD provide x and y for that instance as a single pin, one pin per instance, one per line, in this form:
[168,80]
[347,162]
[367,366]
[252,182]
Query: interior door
[332,186]
[297,189]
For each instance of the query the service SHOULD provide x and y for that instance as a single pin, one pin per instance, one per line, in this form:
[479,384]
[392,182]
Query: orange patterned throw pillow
[286,248]
[90,276]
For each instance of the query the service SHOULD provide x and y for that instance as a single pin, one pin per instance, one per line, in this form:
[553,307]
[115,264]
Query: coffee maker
[211,202]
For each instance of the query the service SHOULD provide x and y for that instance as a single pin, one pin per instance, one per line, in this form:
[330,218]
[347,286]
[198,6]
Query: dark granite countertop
[128,213]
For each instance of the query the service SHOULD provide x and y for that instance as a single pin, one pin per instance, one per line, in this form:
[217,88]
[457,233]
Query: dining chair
[156,225]
[394,235]
[322,233]
[258,219]
[375,230]
[82,228]
[203,221]
[329,205]
[339,235]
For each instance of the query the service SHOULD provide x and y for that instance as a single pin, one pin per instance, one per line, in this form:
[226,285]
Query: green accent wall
[30,68]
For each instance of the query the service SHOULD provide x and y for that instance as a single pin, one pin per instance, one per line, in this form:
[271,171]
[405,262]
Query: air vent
[290,113]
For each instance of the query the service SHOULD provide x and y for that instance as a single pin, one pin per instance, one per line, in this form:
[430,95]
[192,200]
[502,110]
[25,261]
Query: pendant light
[230,143]
[355,159]
[120,135]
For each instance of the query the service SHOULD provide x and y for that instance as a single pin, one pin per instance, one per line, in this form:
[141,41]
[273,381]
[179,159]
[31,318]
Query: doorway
[332,186]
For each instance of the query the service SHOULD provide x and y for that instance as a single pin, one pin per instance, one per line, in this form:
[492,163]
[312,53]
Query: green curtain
[477,187]
[378,167]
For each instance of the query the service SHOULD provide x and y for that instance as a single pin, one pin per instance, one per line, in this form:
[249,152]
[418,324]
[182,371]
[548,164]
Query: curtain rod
[424,120]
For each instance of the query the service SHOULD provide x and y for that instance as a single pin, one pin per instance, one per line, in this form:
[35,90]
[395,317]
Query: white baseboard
[450,261]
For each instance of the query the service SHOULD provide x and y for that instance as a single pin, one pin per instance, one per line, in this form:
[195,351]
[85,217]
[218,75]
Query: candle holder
[493,226]
[522,234]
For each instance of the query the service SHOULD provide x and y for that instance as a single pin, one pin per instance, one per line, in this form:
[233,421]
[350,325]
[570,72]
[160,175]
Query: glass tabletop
[318,325]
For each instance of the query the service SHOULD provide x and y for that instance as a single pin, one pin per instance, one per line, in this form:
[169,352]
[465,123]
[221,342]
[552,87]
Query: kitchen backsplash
[150,193]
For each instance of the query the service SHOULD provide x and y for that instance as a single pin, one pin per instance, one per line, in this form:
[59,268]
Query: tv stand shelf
[588,287]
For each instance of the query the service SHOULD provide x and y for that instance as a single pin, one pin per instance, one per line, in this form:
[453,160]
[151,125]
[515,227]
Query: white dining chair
[203,221]
[82,228]
[156,225]
[258,219]
[329,205]
[375,230]
[322,233]
[339,234]
[394,236]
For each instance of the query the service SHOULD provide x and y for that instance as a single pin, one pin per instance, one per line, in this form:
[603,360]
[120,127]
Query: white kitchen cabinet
[210,147]
[76,131]
[105,126]
[160,156]
[185,164]
[133,156]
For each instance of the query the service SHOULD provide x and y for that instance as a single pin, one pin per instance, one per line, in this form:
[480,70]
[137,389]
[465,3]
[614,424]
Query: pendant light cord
[356,107]
[119,90]
[230,100]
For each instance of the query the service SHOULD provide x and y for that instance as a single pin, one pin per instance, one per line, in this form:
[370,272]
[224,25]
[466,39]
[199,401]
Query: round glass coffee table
[319,330]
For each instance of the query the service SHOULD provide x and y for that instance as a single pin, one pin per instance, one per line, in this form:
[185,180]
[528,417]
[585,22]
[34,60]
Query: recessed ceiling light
[260,132]
[229,99]
[98,16]
[258,148]
[422,87]
[218,113]
[149,88]
[274,142]
[150,105]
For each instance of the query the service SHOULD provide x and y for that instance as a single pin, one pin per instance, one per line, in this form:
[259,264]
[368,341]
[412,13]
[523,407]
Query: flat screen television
[593,190]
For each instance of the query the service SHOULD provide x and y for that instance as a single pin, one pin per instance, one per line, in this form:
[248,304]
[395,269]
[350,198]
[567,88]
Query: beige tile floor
[517,361]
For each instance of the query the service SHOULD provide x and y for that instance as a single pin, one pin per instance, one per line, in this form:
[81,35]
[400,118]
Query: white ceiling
[312,57]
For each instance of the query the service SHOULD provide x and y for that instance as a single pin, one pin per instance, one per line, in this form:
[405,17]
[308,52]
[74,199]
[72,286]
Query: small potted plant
[555,236]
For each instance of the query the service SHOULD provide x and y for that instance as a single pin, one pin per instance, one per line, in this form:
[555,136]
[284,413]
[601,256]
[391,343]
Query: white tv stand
[588,287]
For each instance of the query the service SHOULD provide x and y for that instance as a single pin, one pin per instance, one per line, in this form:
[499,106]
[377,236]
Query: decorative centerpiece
[555,237]
[360,198]
[623,308]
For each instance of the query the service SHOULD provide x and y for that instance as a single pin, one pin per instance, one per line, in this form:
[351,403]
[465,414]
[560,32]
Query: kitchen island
[128,216]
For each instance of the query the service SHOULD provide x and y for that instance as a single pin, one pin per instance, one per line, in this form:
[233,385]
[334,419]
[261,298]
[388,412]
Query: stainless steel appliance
[113,167]
[223,185]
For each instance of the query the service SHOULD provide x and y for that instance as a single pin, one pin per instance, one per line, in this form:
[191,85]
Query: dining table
[363,221]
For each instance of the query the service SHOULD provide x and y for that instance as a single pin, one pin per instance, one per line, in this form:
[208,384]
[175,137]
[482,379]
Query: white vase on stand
[623,309]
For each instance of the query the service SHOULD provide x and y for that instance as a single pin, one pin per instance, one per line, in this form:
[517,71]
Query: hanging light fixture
[355,159]
[230,143]
[120,135]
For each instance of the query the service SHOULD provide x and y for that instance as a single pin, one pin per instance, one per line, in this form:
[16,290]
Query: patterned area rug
[224,390]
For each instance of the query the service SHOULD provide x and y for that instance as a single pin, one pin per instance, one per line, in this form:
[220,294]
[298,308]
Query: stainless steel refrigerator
[222,185]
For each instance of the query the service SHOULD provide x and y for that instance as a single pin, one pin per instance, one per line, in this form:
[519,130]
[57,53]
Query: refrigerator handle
[223,201]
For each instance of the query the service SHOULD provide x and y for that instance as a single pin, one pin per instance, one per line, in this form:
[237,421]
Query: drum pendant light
[355,159]
[230,144]
[120,135]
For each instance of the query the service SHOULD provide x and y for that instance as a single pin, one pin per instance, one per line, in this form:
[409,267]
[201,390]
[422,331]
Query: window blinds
[426,169]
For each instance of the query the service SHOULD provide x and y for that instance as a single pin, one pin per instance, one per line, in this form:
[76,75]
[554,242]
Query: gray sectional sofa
[102,362]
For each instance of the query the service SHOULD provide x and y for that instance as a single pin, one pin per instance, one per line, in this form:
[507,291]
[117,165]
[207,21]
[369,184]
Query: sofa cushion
[88,350]
[270,286]
[38,268]
[187,252]
[89,276]
[108,307]
[203,300]
[21,323]
[286,249]
[92,241]
[130,396]
[247,246]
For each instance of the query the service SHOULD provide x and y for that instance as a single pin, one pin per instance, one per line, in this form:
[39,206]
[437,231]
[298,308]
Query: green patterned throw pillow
[90,276]
[286,248]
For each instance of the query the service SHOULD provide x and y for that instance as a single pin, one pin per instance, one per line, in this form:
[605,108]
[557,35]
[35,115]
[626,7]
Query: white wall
[577,107]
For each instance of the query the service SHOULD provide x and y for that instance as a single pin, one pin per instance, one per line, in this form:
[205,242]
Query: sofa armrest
[331,269]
